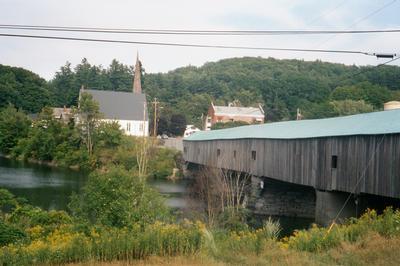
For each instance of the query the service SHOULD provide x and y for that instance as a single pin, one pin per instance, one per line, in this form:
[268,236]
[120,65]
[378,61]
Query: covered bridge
[355,154]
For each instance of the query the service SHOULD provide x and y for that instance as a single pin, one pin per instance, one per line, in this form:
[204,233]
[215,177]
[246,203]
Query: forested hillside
[23,89]
[319,89]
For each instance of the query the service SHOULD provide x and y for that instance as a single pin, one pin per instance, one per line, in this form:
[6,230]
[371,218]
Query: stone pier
[269,197]
[329,204]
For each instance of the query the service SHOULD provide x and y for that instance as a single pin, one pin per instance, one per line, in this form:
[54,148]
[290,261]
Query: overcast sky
[46,56]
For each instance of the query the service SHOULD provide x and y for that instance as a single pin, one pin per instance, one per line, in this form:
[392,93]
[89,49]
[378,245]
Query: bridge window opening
[218,152]
[253,155]
[334,161]
[234,154]
[184,150]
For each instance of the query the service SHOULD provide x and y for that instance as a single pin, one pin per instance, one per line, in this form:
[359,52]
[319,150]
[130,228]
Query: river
[50,188]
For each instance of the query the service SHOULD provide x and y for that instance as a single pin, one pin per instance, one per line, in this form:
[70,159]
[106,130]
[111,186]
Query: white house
[129,109]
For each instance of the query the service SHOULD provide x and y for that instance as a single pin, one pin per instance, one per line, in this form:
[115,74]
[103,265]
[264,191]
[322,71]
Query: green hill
[318,88]
[23,89]
[281,86]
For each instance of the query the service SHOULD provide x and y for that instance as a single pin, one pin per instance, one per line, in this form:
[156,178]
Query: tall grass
[321,238]
[106,244]
[103,244]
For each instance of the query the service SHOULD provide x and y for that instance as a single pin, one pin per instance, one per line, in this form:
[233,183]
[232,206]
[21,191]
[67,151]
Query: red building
[231,113]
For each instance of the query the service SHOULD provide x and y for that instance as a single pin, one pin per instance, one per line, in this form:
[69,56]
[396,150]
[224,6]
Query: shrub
[315,239]
[10,234]
[162,163]
[118,198]
[7,201]
[28,216]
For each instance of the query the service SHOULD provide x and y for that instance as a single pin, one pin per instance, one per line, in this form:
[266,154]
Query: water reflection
[43,186]
[50,188]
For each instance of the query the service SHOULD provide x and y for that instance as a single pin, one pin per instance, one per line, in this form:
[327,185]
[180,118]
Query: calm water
[50,188]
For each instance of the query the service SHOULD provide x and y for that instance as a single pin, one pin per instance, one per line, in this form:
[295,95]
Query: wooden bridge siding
[308,161]
[381,174]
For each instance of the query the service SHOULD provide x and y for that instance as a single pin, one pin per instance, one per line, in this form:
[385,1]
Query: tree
[162,125]
[373,94]
[65,87]
[177,124]
[222,194]
[23,89]
[14,125]
[108,134]
[350,107]
[120,76]
[89,115]
[117,198]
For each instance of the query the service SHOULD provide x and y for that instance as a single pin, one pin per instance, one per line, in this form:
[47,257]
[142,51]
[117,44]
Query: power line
[372,13]
[324,14]
[186,44]
[360,20]
[192,32]
[371,68]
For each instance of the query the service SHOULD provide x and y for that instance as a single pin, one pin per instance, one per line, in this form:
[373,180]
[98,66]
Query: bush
[10,234]
[29,216]
[118,198]
[7,201]
[315,239]
[162,163]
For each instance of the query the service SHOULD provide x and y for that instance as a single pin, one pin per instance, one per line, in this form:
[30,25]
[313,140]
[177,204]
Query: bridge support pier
[328,205]
[270,197]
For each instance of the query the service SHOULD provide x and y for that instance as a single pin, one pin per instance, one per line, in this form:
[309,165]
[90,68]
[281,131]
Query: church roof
[120,105]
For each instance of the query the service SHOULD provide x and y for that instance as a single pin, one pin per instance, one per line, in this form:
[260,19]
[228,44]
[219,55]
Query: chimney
[137,85]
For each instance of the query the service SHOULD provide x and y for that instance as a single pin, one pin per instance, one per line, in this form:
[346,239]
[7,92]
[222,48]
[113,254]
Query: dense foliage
[281,86]
[23,89]
[118,198]
[14,125]
[87,145]
[30,236]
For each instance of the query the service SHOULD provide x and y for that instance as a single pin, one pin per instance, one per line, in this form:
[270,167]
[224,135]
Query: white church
[129,109]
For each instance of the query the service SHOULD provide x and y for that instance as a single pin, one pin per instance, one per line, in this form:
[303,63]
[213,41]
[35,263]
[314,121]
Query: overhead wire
[186,44]
[190,32]
[360,20]
[324,14]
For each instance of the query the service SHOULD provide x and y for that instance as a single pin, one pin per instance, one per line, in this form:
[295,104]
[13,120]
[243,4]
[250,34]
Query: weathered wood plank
[375,159]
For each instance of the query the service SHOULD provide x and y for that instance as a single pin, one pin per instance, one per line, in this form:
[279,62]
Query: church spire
[137,85]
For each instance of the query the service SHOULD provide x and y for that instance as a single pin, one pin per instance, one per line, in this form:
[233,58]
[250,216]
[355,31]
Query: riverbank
[52,164]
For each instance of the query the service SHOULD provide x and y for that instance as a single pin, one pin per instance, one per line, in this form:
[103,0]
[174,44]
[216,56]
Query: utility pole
[155,102]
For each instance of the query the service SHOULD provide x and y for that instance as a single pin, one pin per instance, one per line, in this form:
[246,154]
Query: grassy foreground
[370,240]
[373,250]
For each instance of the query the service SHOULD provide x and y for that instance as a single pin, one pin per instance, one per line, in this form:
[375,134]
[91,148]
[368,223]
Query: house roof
[120,105]
[238,111]
[376,123]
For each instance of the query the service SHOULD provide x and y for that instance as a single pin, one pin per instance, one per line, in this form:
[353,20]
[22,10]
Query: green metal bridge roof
[376,123]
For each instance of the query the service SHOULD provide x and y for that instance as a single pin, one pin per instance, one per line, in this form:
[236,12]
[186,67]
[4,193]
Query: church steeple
[137,85]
